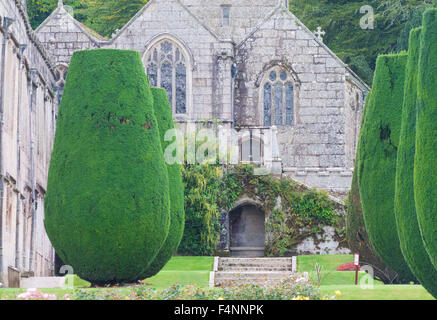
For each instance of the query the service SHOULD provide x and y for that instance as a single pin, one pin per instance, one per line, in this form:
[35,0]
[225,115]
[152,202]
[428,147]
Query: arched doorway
[247,231]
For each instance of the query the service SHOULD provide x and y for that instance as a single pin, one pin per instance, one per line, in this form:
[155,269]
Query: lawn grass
[183,270]
[326,262]
[195,270]
[189,264]
[341,278]
[379,292]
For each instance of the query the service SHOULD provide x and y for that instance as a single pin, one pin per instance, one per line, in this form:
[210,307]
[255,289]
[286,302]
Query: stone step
[267,264]
[238,268]
[227,278]
[232,275]
[260,271]
[255,264]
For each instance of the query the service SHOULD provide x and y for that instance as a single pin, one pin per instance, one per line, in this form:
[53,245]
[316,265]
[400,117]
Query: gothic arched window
[166,66]
[278,98]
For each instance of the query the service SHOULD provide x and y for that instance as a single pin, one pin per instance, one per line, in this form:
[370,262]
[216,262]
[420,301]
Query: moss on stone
[107,204]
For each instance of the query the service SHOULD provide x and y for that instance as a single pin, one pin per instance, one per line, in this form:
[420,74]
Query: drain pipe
[6,24]
[18,212]
[32,167]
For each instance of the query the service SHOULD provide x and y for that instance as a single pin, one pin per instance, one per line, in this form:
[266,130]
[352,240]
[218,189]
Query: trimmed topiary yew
[107,204]
[357,237]
[164,117]
[377,154]
[405,208]
[425,166]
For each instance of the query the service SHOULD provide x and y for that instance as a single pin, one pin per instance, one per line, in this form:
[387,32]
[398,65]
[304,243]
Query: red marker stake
[357,267]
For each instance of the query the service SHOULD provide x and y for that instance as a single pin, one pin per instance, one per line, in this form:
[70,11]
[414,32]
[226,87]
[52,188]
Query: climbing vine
[293,211]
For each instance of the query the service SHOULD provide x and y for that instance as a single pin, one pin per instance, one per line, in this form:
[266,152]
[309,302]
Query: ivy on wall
[294,212]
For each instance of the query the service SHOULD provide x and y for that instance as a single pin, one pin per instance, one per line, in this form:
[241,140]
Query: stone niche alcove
[247,230]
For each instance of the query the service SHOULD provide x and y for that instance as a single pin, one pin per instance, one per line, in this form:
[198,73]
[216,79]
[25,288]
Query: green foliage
[202,191]
[106,16]
[425,166]
[405,208]
[164,117]
[209,189]
[39,10]
[377,154]
[296,287]
[344,36]
[107,204]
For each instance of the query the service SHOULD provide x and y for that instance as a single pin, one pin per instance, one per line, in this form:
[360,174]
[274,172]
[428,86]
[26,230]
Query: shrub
[164,117]
[296,287]
[405,208]
[425,166]
[202,193]
[107,204]
[377,153]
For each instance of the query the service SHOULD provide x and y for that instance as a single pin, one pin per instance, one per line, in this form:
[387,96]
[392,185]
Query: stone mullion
[173,79]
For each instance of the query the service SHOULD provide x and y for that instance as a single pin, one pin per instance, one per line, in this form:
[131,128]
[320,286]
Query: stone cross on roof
[60,3]
[319,33]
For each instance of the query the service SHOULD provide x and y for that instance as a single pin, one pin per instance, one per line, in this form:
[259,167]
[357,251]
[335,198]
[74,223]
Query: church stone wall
[318,149]
[29,113]
[210,66]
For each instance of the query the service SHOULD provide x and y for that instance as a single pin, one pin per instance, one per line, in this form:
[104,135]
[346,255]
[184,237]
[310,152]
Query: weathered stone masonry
[226,68]
[248,64]
[28,112]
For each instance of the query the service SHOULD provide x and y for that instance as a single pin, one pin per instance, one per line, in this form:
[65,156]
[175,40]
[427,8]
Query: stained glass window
[181,88]
[289,102]
[226,16]
[166,68]
[278,97]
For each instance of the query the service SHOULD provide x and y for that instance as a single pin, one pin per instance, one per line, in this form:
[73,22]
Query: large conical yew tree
[164,116]
[405,208]
[107,205]
[425,166]
[377,154]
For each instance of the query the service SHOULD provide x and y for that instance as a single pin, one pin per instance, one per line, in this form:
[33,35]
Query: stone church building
[250,65]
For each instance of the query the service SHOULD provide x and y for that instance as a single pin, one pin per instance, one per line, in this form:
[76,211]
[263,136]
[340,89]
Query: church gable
[62,35]
[171,42]
[233,19]
[162,17]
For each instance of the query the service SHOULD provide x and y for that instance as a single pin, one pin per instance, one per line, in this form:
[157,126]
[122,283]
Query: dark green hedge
[358,239]
[425,166]
[405,208]
[377,153]
[164,116]
[107,204]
